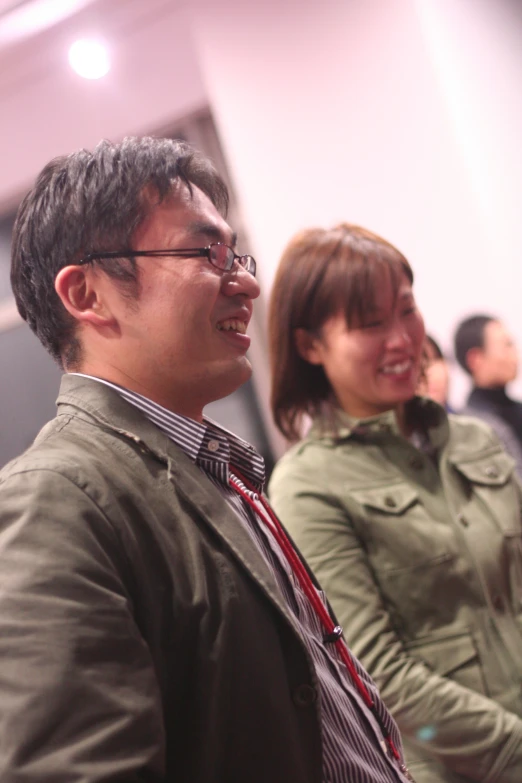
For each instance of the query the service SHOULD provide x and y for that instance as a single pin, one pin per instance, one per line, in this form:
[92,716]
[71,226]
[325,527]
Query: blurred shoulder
[471,434]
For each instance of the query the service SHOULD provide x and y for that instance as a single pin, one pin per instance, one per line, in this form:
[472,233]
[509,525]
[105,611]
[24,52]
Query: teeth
[397,369]
[232,325]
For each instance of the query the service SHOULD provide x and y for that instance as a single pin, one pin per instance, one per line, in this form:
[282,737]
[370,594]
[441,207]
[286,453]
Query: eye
[409,310]
[372,324]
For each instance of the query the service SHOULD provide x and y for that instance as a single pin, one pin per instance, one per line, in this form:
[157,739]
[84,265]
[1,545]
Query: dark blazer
[142,636]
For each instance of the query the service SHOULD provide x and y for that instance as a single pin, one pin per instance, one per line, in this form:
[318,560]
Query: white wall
[402,115]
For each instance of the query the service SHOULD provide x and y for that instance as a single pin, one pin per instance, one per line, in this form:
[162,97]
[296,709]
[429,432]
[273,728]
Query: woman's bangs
[354,285]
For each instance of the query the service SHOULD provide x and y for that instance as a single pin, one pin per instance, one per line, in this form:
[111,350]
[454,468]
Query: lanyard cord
[333,632]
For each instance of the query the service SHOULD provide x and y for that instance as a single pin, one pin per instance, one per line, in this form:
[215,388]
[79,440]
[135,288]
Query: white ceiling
[20,19]
[9,5]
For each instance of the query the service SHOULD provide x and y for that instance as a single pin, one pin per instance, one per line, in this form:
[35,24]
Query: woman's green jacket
[418,548]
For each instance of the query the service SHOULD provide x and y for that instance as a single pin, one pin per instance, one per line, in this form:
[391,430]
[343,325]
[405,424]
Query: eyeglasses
[219,255]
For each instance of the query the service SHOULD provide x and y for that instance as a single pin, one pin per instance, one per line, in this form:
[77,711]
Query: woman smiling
[409,517]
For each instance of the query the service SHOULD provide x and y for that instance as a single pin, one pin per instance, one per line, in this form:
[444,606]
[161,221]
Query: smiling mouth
[397,369]
[232,325]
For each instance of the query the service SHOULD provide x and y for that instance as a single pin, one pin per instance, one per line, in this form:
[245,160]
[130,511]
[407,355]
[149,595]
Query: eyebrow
[401,297]
[211,232]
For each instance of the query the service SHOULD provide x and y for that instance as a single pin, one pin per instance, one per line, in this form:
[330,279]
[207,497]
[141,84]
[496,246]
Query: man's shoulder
[65,445]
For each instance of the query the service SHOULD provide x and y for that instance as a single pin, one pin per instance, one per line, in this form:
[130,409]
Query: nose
[398,336]
[239,282]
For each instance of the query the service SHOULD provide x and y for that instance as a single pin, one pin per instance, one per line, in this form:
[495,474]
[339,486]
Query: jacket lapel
[212,507]
[91,398]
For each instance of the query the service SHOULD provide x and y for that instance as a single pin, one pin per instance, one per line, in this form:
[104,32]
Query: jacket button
[390,502]
[462,519]
[304,696]
[491,472]
[498,603]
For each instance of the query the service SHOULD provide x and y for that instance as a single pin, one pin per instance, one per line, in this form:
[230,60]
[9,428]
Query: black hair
[470,334]
[437,351]
[94,201]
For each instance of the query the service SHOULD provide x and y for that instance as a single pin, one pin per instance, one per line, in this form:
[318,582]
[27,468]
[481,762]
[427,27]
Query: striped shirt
[354,749]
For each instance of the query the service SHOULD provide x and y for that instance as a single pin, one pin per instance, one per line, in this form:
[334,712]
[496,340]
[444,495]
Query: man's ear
[79,293]
[474,359]
[309,346]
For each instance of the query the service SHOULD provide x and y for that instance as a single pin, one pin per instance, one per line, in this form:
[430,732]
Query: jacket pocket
[399,534]
[394,500]
[491,471]
[490,478]
[455,657]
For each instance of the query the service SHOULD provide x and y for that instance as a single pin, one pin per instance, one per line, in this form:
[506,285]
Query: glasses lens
[249,264]
[222,256]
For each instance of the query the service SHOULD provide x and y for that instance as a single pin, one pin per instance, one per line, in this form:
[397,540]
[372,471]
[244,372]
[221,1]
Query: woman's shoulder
[468,433]
[324,462]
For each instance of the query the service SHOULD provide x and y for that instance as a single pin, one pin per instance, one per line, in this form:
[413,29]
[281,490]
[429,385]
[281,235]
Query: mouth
[397,368]
[232,325]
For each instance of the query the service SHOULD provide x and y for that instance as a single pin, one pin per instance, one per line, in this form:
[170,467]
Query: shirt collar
[209,445]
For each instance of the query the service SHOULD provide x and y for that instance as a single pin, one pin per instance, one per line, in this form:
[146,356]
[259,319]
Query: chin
[231,379]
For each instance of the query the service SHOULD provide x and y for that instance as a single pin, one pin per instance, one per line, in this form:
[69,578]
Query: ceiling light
[89,58]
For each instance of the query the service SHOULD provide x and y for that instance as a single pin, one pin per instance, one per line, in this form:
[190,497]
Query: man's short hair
[470,334]
[94,201]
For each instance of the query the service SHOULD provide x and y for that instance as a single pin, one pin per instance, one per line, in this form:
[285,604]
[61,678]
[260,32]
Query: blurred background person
[487,353]
[410,517]
[434,382]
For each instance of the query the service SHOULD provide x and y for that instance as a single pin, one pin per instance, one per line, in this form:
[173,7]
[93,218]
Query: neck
[170,402]
[403,420]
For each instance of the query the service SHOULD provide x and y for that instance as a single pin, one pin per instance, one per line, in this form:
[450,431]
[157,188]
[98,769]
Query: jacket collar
[425,415]
[86,398]
[80,395]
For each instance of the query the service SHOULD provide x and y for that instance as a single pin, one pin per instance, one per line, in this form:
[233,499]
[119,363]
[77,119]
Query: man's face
[499,362]
[182,343]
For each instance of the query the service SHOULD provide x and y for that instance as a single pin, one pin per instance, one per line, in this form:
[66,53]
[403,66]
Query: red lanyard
[333,632]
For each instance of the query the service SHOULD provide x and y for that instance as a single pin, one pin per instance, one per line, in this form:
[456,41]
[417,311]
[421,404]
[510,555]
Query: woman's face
[435,382]
[374,366]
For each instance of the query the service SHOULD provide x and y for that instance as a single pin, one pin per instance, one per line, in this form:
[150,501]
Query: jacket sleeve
[468,732]
[78,694]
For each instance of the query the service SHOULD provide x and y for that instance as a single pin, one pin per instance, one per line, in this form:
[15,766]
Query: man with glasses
[155,622]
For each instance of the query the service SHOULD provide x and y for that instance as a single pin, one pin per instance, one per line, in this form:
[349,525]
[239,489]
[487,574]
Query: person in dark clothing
[486,351]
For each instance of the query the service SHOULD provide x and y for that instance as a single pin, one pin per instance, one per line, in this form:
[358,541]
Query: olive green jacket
[420,554]
[142,636]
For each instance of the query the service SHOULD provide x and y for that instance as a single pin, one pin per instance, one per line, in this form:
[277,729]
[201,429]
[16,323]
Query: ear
[78,289]
[309,347]
[474,359]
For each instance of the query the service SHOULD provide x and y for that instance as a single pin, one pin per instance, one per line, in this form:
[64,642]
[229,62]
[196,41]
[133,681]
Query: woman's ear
[78,289]
[309,346]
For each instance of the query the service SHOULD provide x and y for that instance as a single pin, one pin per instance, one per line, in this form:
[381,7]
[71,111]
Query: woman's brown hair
[322,272]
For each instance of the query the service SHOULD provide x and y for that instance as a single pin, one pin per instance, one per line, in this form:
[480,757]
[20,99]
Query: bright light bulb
[89,58]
